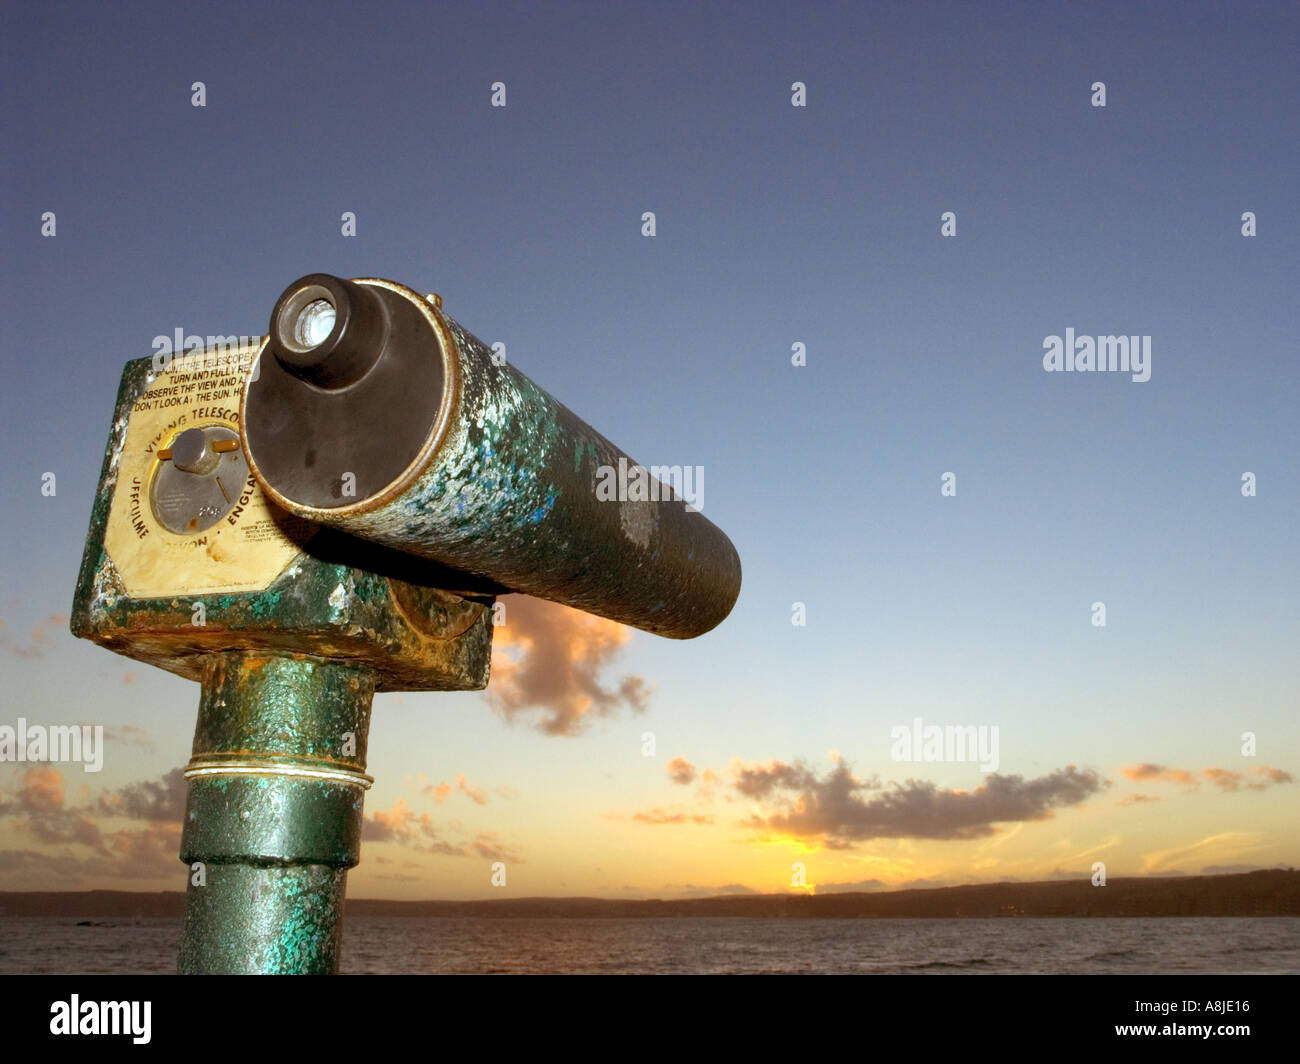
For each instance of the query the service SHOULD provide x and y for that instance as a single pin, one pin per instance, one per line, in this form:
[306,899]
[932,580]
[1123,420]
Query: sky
[799,160]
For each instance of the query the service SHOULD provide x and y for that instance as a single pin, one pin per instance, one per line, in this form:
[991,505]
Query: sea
[38,945]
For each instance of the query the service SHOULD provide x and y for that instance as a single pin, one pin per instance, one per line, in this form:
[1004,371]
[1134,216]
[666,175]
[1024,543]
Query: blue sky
[775,225]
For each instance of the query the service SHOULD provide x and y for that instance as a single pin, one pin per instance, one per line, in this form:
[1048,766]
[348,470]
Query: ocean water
[410,945]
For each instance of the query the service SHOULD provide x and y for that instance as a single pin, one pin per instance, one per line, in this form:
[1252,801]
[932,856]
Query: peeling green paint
[508,494]
[277,843]
[283,679]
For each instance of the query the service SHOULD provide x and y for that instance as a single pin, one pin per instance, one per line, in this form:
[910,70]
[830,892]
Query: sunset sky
[777,225]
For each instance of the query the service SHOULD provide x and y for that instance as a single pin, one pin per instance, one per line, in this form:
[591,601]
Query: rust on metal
[495,478]
[288,667]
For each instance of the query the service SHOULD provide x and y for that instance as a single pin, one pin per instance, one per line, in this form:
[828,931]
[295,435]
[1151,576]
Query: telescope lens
[306,319]
[315,322]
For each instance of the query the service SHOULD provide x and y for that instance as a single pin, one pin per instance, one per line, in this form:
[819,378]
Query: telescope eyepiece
[328,332]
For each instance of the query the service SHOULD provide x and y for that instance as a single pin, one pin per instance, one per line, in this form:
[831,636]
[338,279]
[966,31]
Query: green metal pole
[274,813]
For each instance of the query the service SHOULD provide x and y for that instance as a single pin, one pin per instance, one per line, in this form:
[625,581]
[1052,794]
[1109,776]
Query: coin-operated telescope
[301,521]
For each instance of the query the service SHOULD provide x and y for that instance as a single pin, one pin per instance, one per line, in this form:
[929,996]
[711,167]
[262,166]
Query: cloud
[1226,844]
[41,638]
[399,824]
[128,735]
[486,846]
[708,779]
[1228,780]
[40,791]
[1271,775]
[149,854]
[41,811]
[162,799]
[680,770]
[662,816]
[1158,773]
[402,825]
[1223,778]
[474,794]
[442,791]
[758,781]
[44,864]
[1136,799]
[550,657]
[835,811]
[1095,849]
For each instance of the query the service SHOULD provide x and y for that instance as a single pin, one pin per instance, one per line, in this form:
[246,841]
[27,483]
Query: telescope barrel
[373,411]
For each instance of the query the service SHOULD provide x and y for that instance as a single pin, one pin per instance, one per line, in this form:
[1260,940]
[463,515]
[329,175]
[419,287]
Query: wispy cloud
[1224,845]
[40,640]
[128,735]
[1137,799]
[403,826]
[398,824]
[440,792]
[1257,778]
[680,771]
[1158,773]
[474,794]
[663,816]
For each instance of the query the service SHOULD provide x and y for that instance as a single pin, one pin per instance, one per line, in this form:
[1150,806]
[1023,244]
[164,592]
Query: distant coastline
[1273,892]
